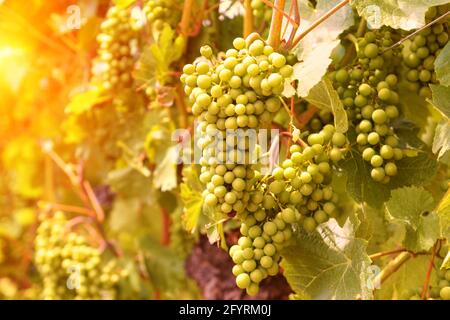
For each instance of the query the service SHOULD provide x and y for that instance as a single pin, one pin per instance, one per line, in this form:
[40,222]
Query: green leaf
[135,206]
[441,98]
[165,174]
[83,101]
[323,96]
[414,107]
[443,211]
[446,262]
[398,14]
[411,171]
[165,269]
[312,67]
[328,265]
[154,64]
[412,207]
[405,280]
[360,184]
[416,170]
[193,204]
[315,49]
[128,182]
[441,142]
[442,66]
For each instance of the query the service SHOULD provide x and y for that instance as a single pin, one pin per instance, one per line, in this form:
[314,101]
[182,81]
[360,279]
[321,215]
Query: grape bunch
[419,57]
[256,255]
[440,291]
[261,11]
[70,268]
[232,96]
[117,43]
[297,193]
[162,12]
[368,90]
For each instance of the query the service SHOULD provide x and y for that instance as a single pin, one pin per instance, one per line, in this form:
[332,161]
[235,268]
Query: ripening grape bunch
[117,43]
[162,12]
[297,194]
[230,94]
[261,11]
[69,266]
[420,55]
[368,90]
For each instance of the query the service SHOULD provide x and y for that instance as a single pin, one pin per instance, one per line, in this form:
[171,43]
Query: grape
[309,224]
[377,174]
[445,293]
[243,280]
[379,116]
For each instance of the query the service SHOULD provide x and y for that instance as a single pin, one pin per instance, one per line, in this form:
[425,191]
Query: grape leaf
[164,267]
[135,206]
[155,61]
[165,174]
[442,66]
[323,96]
[328,266]
[315,49]
[411,171]
[441,142]
[412,207]
[443,211]
[414,107]
[408,134]
[191,195]
[398,14]
[313,66]
[405,280]
[83,101]
[446,262]
[441,98]
[360,184]
[416,170]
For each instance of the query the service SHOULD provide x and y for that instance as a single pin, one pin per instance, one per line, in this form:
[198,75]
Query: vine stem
[186,17]
[430,269]
[386,253]
[66,208]
[361,27]
[179,98]
[287,16]
[277,21]
[165,236]
[248,18]
[392,267]
[416,32]
[316,23]
[306,116]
